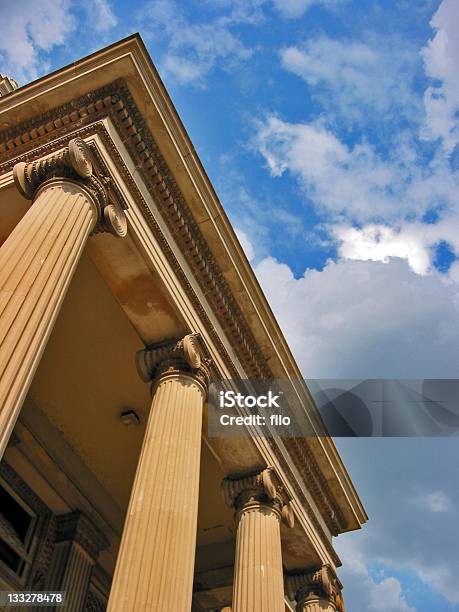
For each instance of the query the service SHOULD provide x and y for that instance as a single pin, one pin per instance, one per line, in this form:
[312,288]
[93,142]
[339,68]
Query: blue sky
[330,129]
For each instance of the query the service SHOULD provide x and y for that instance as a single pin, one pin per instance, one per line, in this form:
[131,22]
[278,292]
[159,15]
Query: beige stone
[37,262]
[156,560]
[316,591]
[258,571]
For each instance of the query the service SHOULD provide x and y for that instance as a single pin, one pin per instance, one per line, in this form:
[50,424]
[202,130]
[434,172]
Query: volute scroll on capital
[321,583]
[74,163]
[261,487]
[184,355]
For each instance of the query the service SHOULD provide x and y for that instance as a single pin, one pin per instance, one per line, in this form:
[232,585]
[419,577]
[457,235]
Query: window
[17,523]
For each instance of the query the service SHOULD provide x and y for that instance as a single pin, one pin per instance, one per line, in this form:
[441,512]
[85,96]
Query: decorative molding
[73,162]
[309,511]
[300,451]
[82,116]
[264,486]
[22,139]
[317,584]
[77,527]
[184,355]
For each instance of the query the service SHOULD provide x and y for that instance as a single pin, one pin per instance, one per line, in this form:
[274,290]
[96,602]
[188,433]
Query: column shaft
[71,572]
[258,575]
[37,262]
[155,564]
[260,500]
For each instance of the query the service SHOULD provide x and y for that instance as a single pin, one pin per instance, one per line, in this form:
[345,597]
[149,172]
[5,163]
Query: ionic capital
[265,487]
[186,355]
[318,584]
[73,163]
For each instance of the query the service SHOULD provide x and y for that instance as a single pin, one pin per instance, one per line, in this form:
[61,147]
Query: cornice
[82,117]
[303,456]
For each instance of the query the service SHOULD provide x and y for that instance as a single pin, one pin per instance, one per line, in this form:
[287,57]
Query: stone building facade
[116,259]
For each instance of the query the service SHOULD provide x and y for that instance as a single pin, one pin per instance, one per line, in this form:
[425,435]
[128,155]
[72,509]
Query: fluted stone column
[78,543]
[260,503]
[38,259]
[317,590]
[155,565]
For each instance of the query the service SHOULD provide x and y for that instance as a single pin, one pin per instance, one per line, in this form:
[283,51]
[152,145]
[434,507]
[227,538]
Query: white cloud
[441,59]
[28,29]
[386,194]
[250,11]
[411,240]
[360,80]
[379,243]
[409,536]
[31,30]
[193,48]
[386,596]
[454,272]
[367,319]
[246,244]
[437,501]
[354,181]
[296,8]
[362,591]
[240,11]
[100,15]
